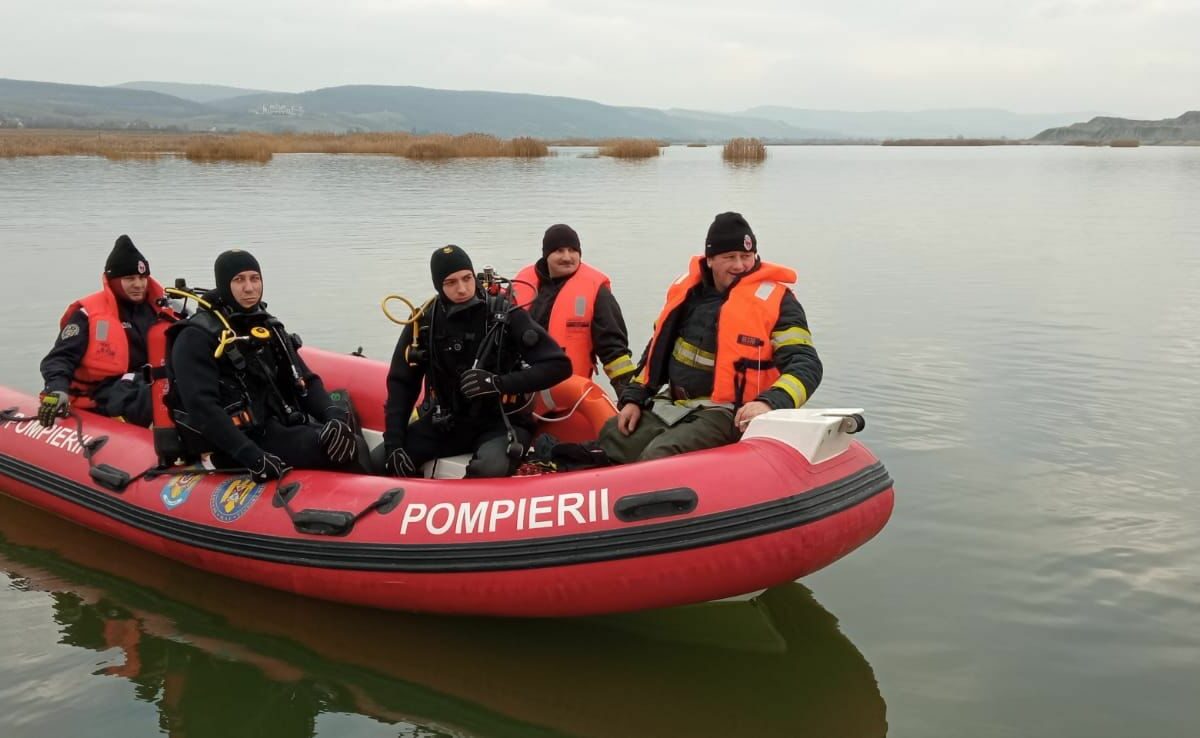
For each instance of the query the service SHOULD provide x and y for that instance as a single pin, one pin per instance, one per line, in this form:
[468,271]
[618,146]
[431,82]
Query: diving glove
[478,383]
[338,441]
[54,405]
[268,466]
[400,464]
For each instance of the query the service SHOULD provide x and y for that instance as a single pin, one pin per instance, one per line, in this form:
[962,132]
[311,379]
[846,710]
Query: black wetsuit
[283,418]
[526,360]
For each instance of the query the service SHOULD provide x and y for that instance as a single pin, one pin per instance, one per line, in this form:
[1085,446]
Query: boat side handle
[660,504]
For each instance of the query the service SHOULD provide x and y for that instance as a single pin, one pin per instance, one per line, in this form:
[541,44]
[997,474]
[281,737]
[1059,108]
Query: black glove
[54,405]
[478,383]
[338,441]
[268,466]
[400,464]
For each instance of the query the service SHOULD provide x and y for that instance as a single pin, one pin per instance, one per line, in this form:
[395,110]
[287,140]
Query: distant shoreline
[954,142]
[260,147]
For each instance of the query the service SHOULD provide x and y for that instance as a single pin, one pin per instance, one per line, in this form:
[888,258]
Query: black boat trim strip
[644,540]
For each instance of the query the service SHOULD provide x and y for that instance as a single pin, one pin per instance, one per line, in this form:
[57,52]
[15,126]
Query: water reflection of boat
[216,656]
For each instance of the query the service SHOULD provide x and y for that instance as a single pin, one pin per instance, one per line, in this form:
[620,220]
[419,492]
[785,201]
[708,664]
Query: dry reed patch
[339,143]
[248,148]
[11,147]
[744,149]
[472,146]
[476,145]
[260,147]
[114,145]
[427,150]
[1124,143]
[631,148]
[525,147]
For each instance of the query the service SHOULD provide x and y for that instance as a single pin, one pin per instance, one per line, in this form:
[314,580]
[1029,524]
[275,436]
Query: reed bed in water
[744,149]
[631,148]
[110,144]
[260,147]
[471,145]
[229,148]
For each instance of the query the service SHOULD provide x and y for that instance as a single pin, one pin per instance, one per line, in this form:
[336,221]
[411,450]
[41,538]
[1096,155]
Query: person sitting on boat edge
[241,391]
[476,354]
[96,360]
[732,342]
[574,302]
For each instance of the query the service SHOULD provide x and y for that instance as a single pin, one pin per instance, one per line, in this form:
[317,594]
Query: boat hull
[694,528]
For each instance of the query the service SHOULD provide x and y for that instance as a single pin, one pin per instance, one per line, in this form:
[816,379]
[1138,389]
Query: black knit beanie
[729,232]
[446,261]
[558,236]
[125,260]
[228,265]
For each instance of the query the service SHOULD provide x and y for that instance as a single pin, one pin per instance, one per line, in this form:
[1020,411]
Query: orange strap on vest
[571,317]
[156,355]
[744,365]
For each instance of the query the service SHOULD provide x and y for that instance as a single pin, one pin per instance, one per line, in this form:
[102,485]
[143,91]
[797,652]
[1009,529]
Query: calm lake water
[1019,322]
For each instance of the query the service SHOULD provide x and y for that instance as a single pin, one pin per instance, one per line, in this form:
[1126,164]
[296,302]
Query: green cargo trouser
[707,427]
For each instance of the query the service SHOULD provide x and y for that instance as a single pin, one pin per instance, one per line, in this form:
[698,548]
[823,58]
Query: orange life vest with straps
[571,317]
[107,353]
[743,367]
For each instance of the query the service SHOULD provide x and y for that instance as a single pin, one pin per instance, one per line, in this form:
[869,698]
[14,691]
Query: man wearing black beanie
[96,360]
[574,302]
[476,354]
[257,405]
[731,343]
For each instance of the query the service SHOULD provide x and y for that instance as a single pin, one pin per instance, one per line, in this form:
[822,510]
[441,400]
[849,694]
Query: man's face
[134,287]
[730,265]
[562,262]
[247,288]
[459,286]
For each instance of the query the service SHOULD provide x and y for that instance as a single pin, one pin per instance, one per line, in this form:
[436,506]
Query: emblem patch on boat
[233,497]
[176,491]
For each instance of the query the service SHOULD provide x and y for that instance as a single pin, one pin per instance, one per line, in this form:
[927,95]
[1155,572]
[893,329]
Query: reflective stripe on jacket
[571,317]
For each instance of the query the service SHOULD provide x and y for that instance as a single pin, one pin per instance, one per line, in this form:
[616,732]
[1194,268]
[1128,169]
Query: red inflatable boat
[793,496]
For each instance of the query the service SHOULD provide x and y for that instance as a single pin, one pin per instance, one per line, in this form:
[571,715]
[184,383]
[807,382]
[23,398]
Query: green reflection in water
[221,658]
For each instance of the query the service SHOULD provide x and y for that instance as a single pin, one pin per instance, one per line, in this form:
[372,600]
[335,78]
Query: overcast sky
[1135,58]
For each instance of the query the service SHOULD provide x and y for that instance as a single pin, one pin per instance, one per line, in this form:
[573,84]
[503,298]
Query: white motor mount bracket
[818,434]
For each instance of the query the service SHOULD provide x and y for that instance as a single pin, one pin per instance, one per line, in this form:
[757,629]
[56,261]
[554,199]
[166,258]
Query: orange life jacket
[571,317]
[743,367]
[107,353]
